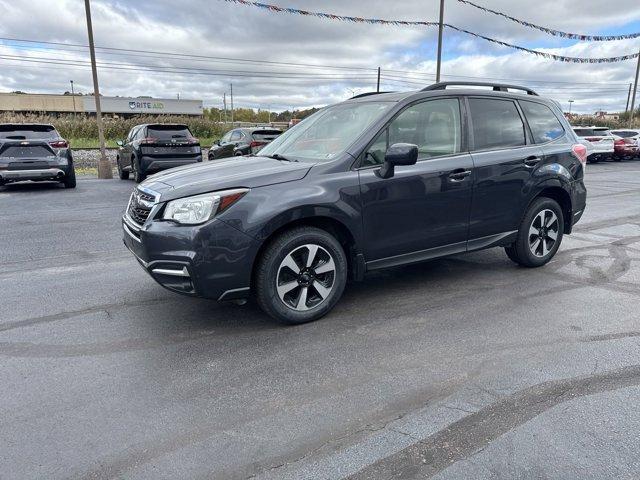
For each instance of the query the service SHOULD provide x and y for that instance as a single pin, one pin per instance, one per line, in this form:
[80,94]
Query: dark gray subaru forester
[377,181]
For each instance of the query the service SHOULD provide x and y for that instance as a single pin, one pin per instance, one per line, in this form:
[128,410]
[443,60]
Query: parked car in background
[243,141]
[377,181]
[601,140]
[626,144]
[150,148]
[34,152]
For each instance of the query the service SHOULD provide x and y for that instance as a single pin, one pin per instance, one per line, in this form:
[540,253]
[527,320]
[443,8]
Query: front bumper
[213,260]
[156,164]
[40,174]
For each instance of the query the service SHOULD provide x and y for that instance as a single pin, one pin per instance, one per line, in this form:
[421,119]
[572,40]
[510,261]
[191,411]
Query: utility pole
[635,90]
[73,97]
[440,28]
[224,105]
[104,166]
[378,87]
[570,103]
[232,119]
[626,109]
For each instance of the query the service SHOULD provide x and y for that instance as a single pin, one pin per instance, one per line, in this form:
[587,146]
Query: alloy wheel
[305,277]
[543,233]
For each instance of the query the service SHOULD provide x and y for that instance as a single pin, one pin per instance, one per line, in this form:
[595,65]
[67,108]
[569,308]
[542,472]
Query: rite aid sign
[144,105]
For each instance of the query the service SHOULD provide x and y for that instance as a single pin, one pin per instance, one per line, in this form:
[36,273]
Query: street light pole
[635,90]
[73,98]
[104,167]
[440,28]
[570,103]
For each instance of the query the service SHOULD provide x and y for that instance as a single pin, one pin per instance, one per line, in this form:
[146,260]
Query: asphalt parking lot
[466,367]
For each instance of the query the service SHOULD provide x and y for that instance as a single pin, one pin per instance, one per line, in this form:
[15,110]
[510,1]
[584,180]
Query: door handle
[532,161]
[459,174]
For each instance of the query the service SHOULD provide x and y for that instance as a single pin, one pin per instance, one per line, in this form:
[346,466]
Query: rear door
[504,158]
[423,210]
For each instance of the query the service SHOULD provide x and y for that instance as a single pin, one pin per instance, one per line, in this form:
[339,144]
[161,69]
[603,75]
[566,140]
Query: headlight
[200,208]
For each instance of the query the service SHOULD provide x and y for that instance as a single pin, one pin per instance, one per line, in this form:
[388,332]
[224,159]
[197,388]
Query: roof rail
[360,95]
[497,87]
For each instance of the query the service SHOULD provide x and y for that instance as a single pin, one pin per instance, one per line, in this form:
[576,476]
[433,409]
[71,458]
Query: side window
[235,136]
[545,126]
[496,123]
[225,137]
[140,133]
[434,126]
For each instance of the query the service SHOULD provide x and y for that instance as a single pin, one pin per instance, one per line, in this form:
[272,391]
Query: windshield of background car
[168,132]
[327,133]
[28,132]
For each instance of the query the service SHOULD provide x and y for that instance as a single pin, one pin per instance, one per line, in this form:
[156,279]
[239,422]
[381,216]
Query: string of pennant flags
[551,31]
[379,21]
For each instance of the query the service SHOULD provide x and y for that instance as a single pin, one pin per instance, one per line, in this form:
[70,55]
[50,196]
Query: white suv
[601,140]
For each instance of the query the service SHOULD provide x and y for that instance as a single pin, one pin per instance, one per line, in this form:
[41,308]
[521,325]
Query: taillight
[619,143]
[59,144]
[580,152]
[257,144]
[148,140]
[192,140]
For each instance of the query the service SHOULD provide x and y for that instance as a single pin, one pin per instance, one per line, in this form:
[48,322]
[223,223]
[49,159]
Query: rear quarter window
[544,125]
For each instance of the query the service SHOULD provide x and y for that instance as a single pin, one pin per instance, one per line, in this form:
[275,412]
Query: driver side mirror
[119,143]
[398,154]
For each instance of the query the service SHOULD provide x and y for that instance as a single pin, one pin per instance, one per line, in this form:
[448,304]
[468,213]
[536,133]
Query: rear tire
[70,180]
[540,234]
[301,275]
[138,176]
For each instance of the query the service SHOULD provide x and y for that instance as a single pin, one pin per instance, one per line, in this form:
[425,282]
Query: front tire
[121,173]
[540,234]
[301,275]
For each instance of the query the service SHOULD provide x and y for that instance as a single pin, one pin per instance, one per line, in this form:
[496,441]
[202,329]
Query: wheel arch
[329,224]
[560,195]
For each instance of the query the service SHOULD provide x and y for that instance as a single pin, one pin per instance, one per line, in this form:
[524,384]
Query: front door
[423,210]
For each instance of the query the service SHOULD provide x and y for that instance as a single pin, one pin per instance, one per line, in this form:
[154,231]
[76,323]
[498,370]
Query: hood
[248,172]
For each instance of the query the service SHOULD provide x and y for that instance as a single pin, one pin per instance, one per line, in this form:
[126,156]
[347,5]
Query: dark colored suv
[36,152]
[377,181]
[153,147]
[242,141]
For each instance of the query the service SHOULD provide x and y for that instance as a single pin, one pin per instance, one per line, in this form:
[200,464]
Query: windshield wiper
[277,156]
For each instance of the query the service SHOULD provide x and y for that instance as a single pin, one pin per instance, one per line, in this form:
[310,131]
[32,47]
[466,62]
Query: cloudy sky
[281,61]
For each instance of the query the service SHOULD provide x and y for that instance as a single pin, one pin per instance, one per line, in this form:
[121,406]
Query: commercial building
[122,106]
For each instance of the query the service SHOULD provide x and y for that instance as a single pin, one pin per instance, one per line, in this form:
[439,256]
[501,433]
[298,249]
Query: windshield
[327,133]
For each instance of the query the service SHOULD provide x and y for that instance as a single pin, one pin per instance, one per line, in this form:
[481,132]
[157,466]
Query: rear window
[544,125]
[20,151]
[28,132]
[600,132]
[583,132]
[169,132]
[265,134]
[496,124]
[625,134]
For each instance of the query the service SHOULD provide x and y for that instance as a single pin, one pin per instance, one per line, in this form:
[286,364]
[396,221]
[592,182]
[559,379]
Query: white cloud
[217,28]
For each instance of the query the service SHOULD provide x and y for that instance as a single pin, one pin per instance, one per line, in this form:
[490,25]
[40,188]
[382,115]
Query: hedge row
[82,126]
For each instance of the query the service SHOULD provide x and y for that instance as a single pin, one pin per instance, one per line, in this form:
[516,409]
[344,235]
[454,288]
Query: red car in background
[626,144]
